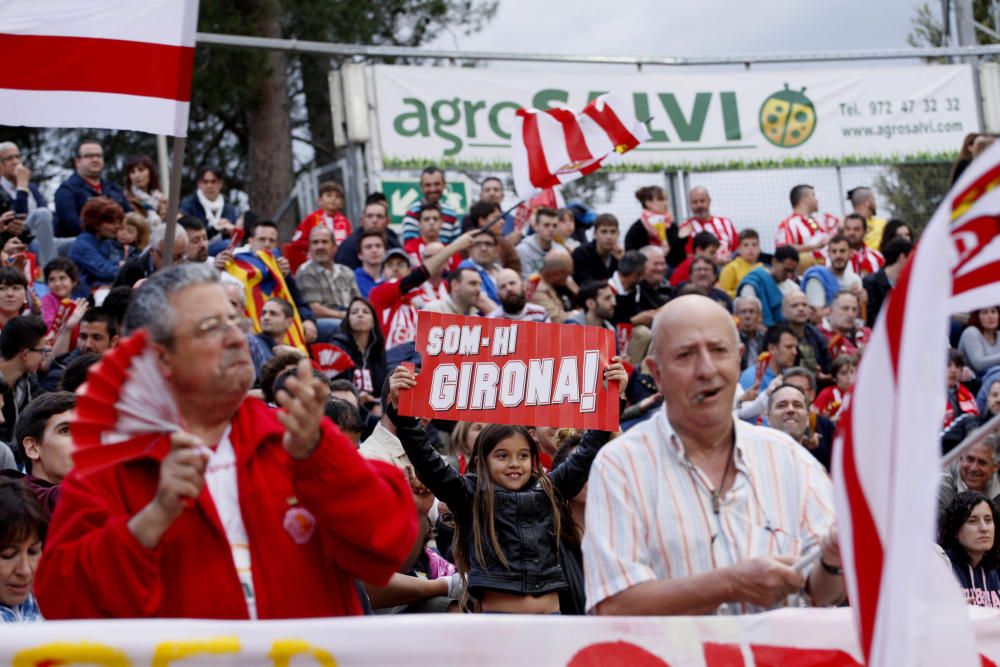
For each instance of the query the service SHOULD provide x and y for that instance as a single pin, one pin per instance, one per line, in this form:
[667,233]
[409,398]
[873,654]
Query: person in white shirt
[694,512]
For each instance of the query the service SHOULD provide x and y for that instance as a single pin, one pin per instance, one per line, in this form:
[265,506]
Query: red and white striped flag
[908,607]
[558,145]
[116,64]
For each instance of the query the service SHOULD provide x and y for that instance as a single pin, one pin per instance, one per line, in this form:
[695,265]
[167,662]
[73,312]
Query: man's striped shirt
[650,511]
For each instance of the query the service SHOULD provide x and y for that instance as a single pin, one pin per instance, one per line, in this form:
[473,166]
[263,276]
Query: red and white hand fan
[124,409]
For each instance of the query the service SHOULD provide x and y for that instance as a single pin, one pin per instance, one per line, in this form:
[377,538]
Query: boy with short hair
[747,259]
[330,213]
[43,437]
[598,260]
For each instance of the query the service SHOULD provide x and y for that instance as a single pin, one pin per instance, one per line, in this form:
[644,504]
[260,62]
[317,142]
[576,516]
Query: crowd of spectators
[734,365]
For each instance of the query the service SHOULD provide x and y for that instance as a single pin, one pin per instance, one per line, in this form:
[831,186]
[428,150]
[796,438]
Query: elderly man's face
[703,274]
[789,412]
[206,358]
[977,468]
[844,312]
[656,268]
[696,362]
[749,315]
[796,309]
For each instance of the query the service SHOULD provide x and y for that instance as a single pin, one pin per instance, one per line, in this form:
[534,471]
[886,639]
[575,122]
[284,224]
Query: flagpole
[173,200]
[500,216]
[973,438]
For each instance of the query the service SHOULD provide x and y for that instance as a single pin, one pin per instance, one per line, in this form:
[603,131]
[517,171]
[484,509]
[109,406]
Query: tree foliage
[227,82]
[915,191]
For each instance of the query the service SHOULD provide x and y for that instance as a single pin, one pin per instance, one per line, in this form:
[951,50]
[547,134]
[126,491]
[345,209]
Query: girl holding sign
[507,509]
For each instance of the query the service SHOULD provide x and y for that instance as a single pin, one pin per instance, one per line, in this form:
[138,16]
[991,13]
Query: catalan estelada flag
[262,280]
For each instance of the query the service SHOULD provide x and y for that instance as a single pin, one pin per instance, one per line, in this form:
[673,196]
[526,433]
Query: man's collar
[677,445]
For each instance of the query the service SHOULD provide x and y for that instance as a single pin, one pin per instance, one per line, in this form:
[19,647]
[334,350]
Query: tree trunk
[315,76]
[269,124]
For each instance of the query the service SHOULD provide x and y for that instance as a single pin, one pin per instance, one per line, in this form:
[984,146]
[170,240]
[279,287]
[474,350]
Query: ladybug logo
[787,118]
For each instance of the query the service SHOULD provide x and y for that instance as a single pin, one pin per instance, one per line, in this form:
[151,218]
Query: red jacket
[93,567]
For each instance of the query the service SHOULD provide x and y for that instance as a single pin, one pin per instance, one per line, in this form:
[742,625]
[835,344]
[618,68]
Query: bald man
[556,291]
[695,512]
[702,220]
[513,304]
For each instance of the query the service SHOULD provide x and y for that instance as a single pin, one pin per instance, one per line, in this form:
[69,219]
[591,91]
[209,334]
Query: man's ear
[114,341]
[32,448]
[164,359]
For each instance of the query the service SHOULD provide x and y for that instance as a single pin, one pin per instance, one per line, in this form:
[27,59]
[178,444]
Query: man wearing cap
[393,297]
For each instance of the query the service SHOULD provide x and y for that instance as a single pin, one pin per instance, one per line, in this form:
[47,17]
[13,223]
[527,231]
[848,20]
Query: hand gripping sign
[506,372]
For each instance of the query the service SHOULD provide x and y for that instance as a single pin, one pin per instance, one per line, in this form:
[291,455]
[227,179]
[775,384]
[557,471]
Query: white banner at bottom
[785,637]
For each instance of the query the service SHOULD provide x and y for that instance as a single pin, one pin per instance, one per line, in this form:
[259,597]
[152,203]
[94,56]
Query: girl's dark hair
[21,515]
[889,232]
[483,501]
[64,264]
[568,442]
[376,346]
[11,276]
[955,516]
[974,317]
[142,161]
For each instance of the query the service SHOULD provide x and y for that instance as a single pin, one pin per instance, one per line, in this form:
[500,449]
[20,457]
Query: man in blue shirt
[783,346]
[87,182]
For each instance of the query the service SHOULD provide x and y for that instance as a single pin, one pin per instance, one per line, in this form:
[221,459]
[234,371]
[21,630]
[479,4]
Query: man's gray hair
[800,372]
[150,308]
[7,145]
[748,299]
[160,232]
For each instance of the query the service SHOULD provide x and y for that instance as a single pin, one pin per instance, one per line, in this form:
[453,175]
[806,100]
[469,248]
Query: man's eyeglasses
[485,244]
[92,156]
[218,326]
[40,350]
[11,158]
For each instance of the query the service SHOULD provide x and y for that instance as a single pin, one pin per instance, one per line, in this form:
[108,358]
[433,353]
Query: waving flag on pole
[558,145]
[116,64]
[907,605]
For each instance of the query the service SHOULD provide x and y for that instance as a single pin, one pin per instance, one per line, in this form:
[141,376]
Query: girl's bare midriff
[494,601]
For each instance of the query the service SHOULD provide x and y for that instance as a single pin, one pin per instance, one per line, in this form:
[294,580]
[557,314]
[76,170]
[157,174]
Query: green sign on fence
[404,193]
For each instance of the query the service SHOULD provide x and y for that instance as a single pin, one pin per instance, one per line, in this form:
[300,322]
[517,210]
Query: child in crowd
[62,278]
[747,259]
[132,237]
[830,401]
[22,533]
[507,510]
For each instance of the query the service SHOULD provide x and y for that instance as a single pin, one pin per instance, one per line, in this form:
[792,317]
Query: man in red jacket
[249,513]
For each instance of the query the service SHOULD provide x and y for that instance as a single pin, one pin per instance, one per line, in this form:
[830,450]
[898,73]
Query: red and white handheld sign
[506,372]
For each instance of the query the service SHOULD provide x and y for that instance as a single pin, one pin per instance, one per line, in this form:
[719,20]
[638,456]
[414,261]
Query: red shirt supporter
[247,512]
[865,261]
[398,299]
[94,567]
[722,229]
[798,230]
[702,220]
[337,223]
